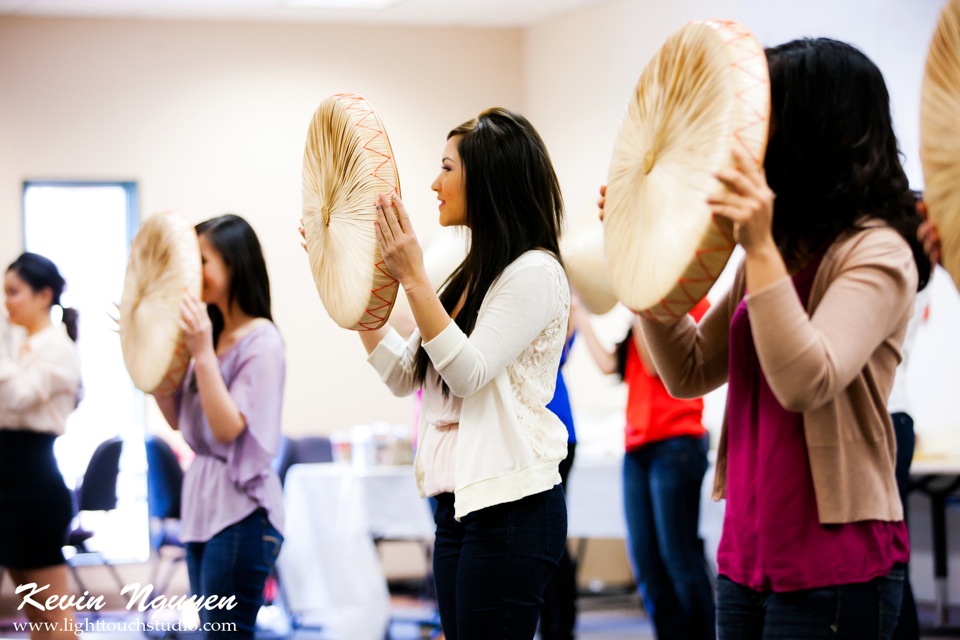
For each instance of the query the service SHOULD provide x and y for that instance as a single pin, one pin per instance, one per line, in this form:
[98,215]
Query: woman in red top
[663,469]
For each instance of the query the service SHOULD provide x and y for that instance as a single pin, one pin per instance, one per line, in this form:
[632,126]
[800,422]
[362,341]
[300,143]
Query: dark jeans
[558,615]
[864,611]
[492,566]
[908,626]
[234,562]
[661,493]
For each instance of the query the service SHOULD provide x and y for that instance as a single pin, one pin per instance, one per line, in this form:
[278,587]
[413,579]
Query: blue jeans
[558,615]
[661,493]
[864,611]
[234,562]
[908,626]
[491,567]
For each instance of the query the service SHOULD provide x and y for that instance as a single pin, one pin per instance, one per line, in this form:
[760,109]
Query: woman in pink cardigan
[808,339]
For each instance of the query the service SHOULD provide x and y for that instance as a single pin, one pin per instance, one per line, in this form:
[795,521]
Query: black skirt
[35,505]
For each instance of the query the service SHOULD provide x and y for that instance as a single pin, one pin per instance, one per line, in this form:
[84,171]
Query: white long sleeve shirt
[38,389]
[509,445]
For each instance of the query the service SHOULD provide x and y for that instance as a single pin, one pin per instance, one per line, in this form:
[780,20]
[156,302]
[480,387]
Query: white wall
[211,117]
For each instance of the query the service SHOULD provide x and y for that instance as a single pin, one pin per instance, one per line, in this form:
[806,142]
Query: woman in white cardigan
[485,353]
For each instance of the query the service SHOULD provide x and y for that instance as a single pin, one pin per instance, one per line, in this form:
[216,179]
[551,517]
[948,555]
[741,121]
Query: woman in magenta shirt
[808,339]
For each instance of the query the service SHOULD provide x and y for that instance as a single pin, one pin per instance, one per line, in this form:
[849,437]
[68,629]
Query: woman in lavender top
[228,411]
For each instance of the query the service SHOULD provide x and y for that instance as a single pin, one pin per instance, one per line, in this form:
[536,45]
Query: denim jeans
[864,611]
[558,615]
[661,493]
[908,625]
[234,562]
[491,567]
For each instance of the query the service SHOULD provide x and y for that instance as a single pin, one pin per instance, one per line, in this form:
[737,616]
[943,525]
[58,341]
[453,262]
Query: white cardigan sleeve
[515,311]
[393,358]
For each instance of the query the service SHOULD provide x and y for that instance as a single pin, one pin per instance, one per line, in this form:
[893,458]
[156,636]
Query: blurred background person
[39,388]
[663,469]
[558,615]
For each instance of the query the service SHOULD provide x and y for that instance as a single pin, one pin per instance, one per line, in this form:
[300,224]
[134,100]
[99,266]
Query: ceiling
[483,13]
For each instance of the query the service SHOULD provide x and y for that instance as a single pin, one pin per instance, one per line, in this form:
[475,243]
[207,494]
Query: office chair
[97,492]
[312,449]
[299,451]
[164,485]
[284,458]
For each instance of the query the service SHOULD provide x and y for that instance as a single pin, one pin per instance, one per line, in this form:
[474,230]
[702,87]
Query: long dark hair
[236,242]
[620,353]
[833,155]
[513,205]
[41,273]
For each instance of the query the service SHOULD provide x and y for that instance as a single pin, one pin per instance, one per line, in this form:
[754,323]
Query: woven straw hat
[940,135]
[586,269]
[164,264]
[347,163]
[703,94]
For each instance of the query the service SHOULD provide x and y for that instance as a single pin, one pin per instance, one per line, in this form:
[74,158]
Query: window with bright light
[86,229]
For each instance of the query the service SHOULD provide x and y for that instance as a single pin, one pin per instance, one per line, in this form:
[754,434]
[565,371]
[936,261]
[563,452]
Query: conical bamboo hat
[705,93]
[164,264]
[586,269]
[940,135]
[347,163]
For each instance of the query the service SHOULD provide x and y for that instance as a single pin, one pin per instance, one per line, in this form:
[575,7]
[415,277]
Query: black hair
[236,242]
[513,205]
[833,156]
[41,273]
[620,354]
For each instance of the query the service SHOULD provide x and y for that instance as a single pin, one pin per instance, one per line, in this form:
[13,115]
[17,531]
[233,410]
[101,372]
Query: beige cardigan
[835,365]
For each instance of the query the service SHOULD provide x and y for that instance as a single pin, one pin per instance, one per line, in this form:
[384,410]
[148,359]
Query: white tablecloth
[595,499]
[329,568]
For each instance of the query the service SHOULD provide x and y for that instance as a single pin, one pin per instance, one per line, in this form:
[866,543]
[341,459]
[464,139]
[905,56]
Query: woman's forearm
[372,338]
[605,359]
[168,407]
[427,310]
[225,420]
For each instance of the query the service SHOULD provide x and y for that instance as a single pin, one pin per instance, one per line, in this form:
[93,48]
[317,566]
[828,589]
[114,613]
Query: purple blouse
[227,482]
[772,538]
